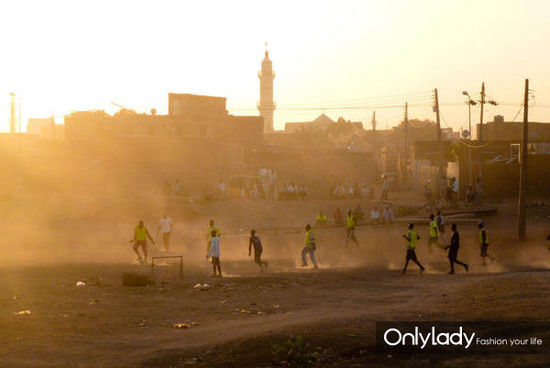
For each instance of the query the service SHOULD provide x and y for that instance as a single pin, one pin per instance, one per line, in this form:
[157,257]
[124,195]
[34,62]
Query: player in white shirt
[165,228]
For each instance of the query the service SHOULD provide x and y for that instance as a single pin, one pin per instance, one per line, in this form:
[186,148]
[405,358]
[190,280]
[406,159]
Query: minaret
[266,105]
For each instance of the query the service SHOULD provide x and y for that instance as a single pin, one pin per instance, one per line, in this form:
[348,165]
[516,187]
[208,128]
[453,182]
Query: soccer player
[412,238]
[214,252]
[258,249]
[140,241]
[309,248]
[453,250]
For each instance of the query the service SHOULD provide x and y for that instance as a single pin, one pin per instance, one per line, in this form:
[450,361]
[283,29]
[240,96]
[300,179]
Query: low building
[321,123]
[500,130]
[190,116]
[45,128]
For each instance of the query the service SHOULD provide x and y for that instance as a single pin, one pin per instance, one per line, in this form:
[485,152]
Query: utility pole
[406,121]
[482,102]
[436,108]
[480,137]
[523,166]
[13,113]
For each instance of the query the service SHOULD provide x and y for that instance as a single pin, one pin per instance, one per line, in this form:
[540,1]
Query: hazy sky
[60,56]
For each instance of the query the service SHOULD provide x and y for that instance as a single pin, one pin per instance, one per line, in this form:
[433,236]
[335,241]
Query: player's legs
[312,257]
[304,252]
[166,240]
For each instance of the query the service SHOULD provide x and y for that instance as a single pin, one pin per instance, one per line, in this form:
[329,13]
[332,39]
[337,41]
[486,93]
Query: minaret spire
[266,105]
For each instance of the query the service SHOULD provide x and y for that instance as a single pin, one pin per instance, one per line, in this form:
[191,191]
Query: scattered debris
[23,312]
[181,325]
[202,287]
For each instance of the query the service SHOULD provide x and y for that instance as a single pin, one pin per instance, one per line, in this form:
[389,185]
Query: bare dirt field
[240,320]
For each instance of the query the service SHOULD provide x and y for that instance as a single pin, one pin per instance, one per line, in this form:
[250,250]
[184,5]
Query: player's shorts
[453,254]
[140,243]
[411,254]
[258,257]
[484,250]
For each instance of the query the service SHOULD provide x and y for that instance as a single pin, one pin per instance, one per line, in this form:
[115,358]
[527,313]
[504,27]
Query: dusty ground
[238,320]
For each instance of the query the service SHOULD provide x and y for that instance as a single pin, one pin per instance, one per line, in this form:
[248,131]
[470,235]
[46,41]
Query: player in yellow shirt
[140,241]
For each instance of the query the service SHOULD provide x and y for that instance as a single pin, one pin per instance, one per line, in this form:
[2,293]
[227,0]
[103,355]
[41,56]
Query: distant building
[266,105]
[195,106]
[190,117]
[500,130]
[46,128]
[321,123]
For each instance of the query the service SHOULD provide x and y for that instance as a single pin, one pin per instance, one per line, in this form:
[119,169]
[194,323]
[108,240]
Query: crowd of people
[342,190]
[293,191]
[379,215]
[449,191]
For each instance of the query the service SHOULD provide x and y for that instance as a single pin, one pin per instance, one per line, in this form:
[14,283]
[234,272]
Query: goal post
[153,259]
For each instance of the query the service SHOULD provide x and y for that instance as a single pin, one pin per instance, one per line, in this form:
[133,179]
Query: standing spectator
[351,191]
[165,229]
[454,189]
[356,190]
[167,188]
[222,188]
[388,215]
[470,194]
[365,190]
[272,179]
[442,187]
[385,188]
[478,192]
[178,189]
[375,215]
[440,222]
[428,191]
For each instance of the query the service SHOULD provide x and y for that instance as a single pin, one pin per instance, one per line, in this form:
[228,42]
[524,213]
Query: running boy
[484,242]
[258,249]
[214,252]
[412,238]
[351,221]
[140,241]
[453,250]
[211,227]
[309,248]
[434,233]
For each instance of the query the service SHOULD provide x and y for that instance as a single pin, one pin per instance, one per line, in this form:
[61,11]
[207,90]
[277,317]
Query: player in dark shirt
[453,250]
[254,240]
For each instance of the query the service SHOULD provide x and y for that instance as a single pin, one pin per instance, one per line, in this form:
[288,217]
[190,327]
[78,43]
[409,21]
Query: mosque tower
[266,105]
